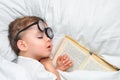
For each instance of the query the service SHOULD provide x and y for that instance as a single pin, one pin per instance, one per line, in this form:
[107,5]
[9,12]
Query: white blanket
[12,71]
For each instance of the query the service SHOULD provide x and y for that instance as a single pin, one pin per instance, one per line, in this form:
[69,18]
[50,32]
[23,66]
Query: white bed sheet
[94,23]
[90,75]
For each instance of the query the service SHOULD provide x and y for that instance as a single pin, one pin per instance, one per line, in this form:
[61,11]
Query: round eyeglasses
[48,31]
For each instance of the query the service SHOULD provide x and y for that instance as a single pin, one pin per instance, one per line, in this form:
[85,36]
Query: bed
[94,23]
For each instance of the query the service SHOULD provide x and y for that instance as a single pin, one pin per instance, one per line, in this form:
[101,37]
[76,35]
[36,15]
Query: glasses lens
[49,32]
[41,26]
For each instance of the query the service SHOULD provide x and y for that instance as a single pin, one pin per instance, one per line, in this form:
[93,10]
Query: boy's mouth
[49,47]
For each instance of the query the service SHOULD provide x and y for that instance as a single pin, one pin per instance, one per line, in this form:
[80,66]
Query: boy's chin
[47,55]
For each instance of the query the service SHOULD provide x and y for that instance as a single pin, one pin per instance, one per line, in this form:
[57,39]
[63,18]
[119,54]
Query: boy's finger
[60,57]
[68,62]
[65,56]
[65,60]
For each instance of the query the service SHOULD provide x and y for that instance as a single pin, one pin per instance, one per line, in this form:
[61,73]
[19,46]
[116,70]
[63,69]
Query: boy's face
[38,45]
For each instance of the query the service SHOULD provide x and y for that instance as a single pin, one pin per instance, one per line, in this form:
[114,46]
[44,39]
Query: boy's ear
[22,45]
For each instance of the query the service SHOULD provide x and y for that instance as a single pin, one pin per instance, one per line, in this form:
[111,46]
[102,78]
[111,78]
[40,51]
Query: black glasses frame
[51,35]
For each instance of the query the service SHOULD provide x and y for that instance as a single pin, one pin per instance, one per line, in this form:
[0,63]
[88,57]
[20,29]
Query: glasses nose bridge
[46,38]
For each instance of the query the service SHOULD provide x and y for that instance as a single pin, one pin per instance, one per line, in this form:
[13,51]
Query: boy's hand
[64,62]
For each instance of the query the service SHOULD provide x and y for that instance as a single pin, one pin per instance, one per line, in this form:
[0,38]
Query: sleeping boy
[31,40]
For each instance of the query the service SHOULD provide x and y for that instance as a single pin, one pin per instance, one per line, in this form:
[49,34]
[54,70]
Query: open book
[82,58]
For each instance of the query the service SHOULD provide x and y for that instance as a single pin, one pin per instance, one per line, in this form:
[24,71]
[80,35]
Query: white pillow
[94,23]
[12,9]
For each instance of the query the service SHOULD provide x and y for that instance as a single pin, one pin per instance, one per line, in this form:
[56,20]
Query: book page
[77,54]
[104,63]
[93,65]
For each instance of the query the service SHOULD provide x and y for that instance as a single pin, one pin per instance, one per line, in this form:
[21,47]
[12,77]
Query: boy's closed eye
[40,37]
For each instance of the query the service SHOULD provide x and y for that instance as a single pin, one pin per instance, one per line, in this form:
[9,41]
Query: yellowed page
[95,65]
[76,53]
[104,63]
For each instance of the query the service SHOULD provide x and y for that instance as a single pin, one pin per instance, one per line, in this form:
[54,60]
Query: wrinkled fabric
[93,23]
[35,68]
